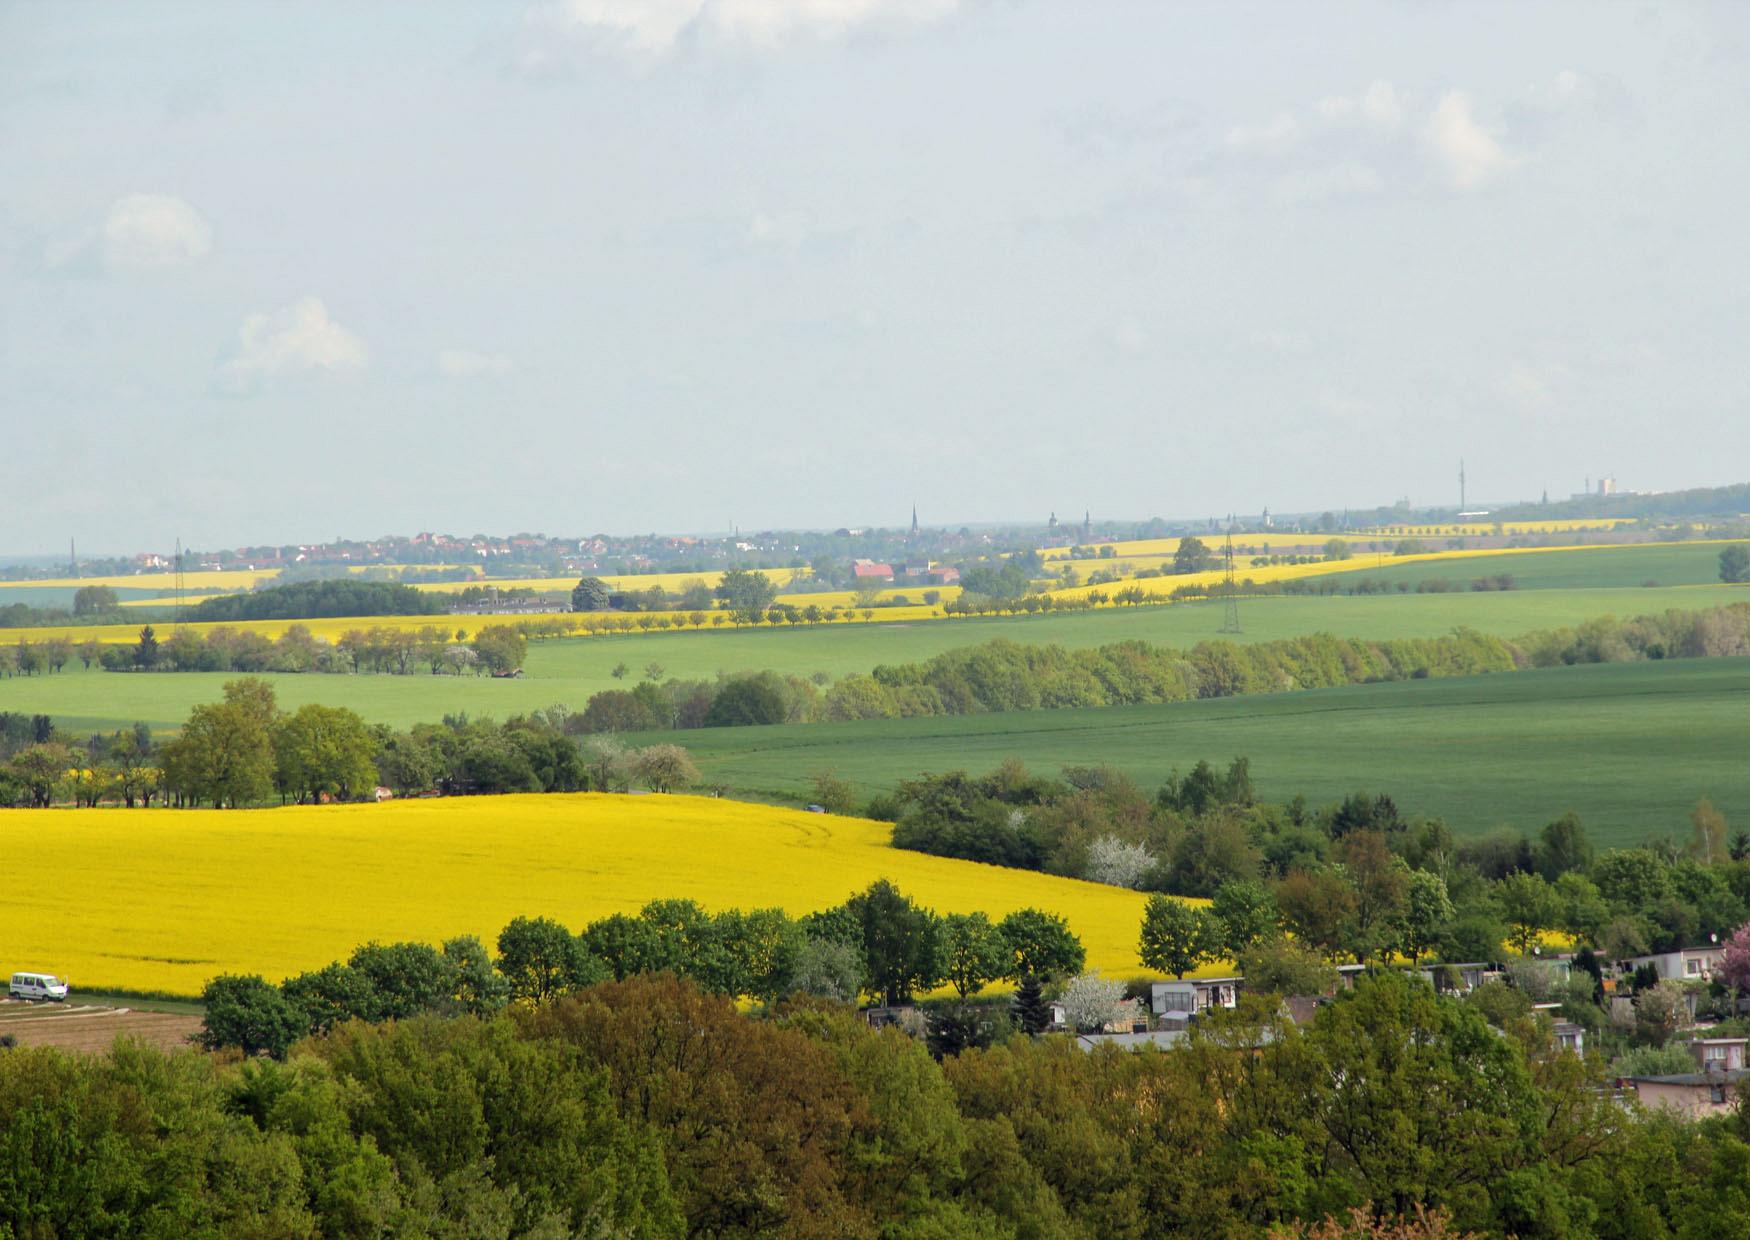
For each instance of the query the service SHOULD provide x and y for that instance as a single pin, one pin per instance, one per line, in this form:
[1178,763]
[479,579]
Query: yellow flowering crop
[164,899]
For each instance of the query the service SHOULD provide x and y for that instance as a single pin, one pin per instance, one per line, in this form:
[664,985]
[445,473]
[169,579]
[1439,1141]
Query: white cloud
[293,340]
[784,228]
[1380,106]
[1533,387]
[1279,131]
[467,364]
[646,29]
[140,232]
[1465,150]
[154,230]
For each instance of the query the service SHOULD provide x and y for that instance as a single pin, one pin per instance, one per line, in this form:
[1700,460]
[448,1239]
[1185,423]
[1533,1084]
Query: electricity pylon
[1230,618]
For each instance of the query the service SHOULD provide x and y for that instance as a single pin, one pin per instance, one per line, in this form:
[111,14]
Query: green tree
[501,648]
[1563,846]
[1317,908]
[1246,913]
[94,601]
[251,1015]
[1039,944]
[332,996]
[747,700]
[324,751]
[974,954]
[1192,556]
[1176,937]
[1735,564]
[589,594]
[224,754]
[40,770]
[1529,906]
[146,651]
[409,978]
[540,959]
[746,592]
[899,940]
[833,794]
[1426,912]
[1284,967]
[1032,1015]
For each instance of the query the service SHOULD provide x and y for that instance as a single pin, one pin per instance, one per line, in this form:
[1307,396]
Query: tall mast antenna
[1462,506]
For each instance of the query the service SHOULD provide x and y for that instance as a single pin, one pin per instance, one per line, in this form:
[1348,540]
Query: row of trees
[648,1107]
[243,750]
[499,649]
[1002,675]
[307,600]
[879,943]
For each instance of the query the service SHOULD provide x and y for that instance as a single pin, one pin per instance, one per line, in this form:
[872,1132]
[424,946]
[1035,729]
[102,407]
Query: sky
[287,273]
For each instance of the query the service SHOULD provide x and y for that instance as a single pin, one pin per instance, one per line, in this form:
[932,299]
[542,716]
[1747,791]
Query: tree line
[244,750]
[649,1107]
[496,649]
[309,600]
[878,943]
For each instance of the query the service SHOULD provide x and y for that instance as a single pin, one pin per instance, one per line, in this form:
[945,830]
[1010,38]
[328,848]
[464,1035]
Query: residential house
[1570,1037]
[869,571]
[1163,1039]
[1194,995]
[1691,1095]
[1462,978]
[1726,1054]
[1692,964]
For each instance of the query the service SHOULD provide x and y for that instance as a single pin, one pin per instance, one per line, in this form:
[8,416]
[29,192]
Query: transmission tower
[178,563]
[1230,617]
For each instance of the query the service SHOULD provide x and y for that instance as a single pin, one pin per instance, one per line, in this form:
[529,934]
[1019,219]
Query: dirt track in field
[90,1027]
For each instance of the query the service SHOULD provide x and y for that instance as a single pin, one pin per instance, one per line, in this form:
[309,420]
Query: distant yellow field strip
[1161,587]
[165,899]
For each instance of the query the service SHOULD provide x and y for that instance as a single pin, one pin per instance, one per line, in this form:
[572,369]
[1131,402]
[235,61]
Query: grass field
[1632,747]
[162,900]
[567,672]
[1662,564]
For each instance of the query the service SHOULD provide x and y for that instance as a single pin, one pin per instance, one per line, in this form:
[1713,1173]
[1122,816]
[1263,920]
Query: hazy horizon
[273,275]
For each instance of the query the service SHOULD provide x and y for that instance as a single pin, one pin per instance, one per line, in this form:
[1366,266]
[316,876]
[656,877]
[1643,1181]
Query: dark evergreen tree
[1032,1014]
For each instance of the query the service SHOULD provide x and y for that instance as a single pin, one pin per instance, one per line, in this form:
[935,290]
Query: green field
[567,672]
[1657,564]
[1631,746]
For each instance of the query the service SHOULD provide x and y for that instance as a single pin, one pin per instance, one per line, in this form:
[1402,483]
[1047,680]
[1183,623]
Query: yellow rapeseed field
[213,581]
[162,900]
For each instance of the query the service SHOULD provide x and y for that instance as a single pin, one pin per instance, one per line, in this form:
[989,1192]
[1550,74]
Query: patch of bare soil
[76,1026]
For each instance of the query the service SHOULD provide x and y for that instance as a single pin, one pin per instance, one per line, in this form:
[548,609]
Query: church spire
[914,519]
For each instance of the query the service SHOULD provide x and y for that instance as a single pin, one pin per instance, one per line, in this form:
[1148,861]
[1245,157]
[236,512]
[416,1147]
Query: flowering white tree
[1111,860]
[1091,1002]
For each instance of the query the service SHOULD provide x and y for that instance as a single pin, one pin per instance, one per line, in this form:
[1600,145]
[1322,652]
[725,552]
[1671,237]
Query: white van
[38,986]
